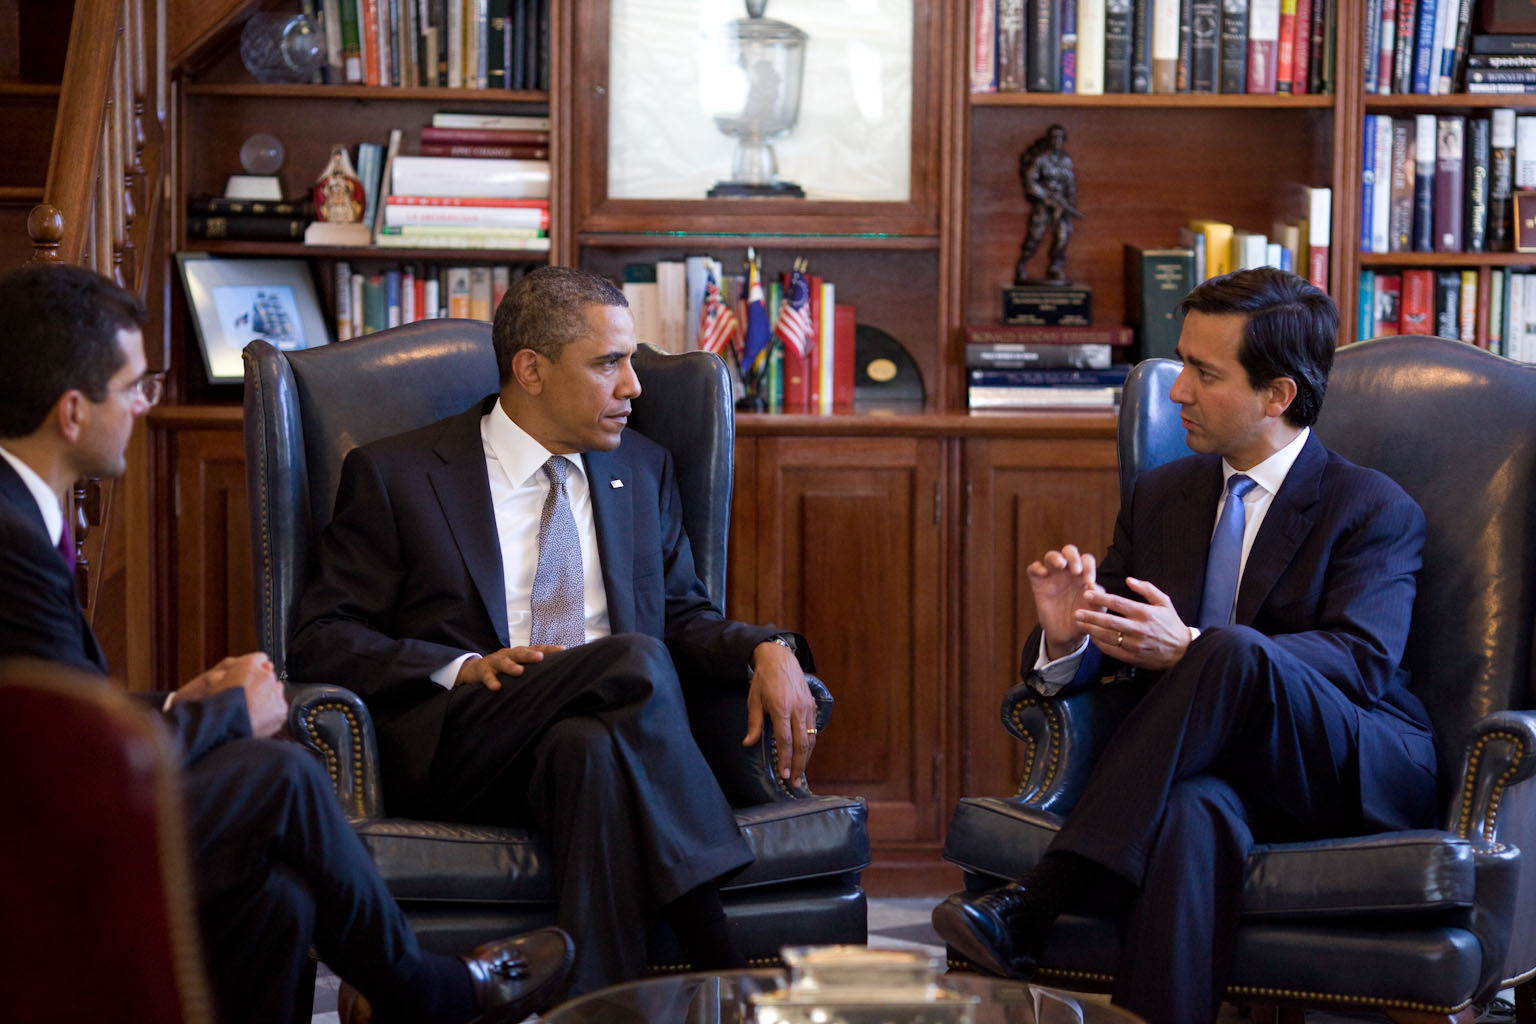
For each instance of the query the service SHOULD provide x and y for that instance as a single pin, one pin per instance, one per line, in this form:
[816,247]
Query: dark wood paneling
[850,557]
[212,608]
[1026,497]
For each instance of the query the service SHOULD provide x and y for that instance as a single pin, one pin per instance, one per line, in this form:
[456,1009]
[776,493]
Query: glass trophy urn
[757,68]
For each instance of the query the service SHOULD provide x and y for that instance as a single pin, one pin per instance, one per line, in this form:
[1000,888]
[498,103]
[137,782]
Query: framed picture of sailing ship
[237,301]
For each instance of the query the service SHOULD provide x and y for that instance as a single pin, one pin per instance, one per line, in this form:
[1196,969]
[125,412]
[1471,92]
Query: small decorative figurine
[1050,185]
[338,192]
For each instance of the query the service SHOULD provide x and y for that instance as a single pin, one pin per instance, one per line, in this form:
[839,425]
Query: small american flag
[717,324]
[794,325]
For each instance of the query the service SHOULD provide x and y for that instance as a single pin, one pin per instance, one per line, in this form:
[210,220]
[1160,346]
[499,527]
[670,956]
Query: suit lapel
[613,516]
[14,491]
[464,494]
[1290,518]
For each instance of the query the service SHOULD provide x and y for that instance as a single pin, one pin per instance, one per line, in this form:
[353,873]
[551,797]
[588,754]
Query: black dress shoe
[519,976]
[999,930]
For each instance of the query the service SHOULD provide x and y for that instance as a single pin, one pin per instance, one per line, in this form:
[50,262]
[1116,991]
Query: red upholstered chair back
[95,892]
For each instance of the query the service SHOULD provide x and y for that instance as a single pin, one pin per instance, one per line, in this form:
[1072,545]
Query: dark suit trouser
[594,743]
[1238,738]
[278,869]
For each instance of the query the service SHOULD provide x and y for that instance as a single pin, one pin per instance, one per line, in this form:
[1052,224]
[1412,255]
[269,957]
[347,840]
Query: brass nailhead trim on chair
[331,757]
[268,604]
[1464,820]
[1053,722]
[1332,999]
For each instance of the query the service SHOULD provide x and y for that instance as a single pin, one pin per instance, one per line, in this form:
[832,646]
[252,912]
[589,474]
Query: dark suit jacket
[1330,578]
[410,575]
[40,617]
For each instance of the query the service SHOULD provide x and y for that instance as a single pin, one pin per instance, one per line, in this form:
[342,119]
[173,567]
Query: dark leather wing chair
[460,884]
[1429,922]
[93,868]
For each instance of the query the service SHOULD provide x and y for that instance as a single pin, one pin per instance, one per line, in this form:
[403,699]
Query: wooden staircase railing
[103,200]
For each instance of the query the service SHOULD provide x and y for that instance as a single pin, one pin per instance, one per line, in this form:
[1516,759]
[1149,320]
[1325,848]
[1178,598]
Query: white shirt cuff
[1049,676]
[449,673]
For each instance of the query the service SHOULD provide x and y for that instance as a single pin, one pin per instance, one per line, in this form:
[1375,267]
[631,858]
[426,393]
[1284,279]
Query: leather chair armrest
[334,723]
[1500,753]
[746,774]
[1063,737]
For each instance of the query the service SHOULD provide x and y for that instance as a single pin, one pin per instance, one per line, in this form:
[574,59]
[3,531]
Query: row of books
[1299,243]
[474,44]
[1017,366]
[1446,303]
[809,363]
[1433,47]
[400,295]
[1443,183]
[1092,47]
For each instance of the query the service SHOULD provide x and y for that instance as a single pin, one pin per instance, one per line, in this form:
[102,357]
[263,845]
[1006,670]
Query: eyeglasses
[150,387]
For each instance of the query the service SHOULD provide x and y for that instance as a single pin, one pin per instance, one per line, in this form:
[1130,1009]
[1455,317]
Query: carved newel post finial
[45,226]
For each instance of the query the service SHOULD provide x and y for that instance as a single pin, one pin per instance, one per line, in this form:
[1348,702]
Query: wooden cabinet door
[212,607]
[848,553]
[1024,497]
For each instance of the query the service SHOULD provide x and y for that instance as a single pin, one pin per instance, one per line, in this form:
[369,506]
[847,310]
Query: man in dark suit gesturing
[512,592]
[1267,651]
[277,866]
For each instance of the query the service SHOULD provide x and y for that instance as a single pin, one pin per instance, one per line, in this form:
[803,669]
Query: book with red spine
[1301,67]
[480,149]
[1263,45]
[370,36]
[845,328]
[1285,46]
[413,200]
[491,136]
[1418,303]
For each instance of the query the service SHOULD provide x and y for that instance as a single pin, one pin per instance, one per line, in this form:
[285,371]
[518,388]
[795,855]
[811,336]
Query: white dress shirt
[514,464]
[1050,676]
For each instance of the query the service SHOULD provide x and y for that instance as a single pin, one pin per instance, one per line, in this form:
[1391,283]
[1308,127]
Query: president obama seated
[512,593]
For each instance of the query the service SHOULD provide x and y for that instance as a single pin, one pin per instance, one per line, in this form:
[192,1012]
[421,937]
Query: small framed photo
[237,301]
[1525,221]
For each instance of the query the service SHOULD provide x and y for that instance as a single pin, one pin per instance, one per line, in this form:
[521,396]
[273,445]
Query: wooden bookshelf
[895,539]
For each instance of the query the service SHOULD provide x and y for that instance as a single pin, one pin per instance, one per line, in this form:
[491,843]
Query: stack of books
[248,220]
[469,201]
[1012,366]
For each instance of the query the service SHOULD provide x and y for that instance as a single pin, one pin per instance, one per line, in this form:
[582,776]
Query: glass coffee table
[725,999]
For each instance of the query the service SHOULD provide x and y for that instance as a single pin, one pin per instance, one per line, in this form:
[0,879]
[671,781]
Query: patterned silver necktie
[559,597]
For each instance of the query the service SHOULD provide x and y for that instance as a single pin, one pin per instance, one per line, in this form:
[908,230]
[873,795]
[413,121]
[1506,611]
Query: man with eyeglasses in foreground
[277,866]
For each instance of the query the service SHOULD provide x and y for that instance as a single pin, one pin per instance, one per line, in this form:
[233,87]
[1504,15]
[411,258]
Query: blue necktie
[1220,595]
